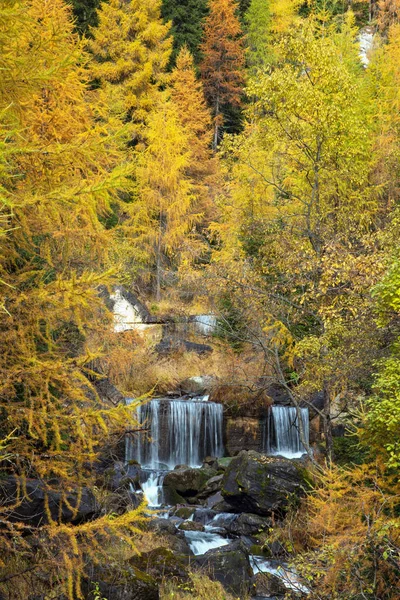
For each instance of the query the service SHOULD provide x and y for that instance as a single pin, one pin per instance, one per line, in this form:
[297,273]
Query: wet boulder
[127,583]
[31,508]
[230,566]
[255,483]
[162,563]
[184,512]
[187,482]
[248,524]
[211,487]
[191,526]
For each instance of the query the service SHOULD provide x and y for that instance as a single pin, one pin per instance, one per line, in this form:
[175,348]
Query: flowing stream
[185,432]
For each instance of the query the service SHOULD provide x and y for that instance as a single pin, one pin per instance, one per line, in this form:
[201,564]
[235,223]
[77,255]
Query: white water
[205,324]
[283,437]
[366,42]
[152,489]
[180,432]
[200,541]
[288,576]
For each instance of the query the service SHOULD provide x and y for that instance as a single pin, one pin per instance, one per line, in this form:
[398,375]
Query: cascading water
[179,432]
[283,436]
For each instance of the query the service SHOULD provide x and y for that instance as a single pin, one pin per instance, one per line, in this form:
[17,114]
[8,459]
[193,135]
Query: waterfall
[283,436]
[179,432]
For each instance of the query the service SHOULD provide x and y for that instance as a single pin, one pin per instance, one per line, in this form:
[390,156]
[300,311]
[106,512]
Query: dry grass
[136,369]
[200,588]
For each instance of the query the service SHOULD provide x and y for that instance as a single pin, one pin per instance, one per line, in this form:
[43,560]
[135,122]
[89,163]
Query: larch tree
[203,168]
[222,67]
[131,50]
[188,95]
[163,214]
[59,173]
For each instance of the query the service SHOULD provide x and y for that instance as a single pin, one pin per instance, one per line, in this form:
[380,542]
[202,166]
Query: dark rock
[267,585]
[224,462]
[177,543]
[172,498]
[212,462]
[214,501]
[161,526]
[248,524]
[129,583]
[203,516]
[176,520]
[170,346]
[162,563]
[191,526]
[121,477]
[212,486]
[230,566]
[188,482]
[31,509]
[184,512]
[262,485]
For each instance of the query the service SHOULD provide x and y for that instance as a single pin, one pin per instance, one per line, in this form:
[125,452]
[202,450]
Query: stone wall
[243,433]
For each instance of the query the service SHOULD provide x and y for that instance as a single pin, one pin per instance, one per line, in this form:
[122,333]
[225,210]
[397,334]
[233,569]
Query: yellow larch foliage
[131,49]
[283,14]
[60,170]
[194,115]
[164,211]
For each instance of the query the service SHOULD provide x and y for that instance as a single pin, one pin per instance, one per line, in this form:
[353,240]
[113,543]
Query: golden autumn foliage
[130,49]
[188,96]
[60,172]
[348,534]
[164,211]
[222,67]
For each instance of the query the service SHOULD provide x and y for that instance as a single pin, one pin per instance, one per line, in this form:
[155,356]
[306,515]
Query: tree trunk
[216,124]
[328,425]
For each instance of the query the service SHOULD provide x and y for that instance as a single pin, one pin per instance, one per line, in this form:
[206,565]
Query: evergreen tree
[85,12]
[258,34]
[187,25]
[223,61]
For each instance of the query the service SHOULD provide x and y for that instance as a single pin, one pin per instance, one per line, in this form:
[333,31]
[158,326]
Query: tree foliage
[223,60]
[187,25]
[59,175]
[131,49]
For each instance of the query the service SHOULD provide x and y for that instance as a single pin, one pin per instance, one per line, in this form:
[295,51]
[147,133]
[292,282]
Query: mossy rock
[160,564]
[254,483]
[225,461]
[184,512]
[188,482]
